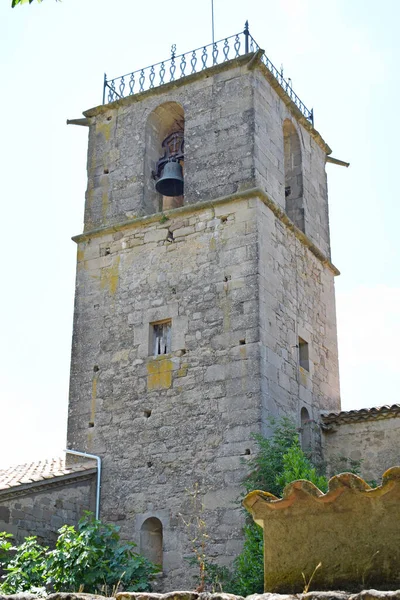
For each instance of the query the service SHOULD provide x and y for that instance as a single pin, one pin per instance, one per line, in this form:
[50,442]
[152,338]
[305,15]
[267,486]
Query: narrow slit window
[161,338]
[304,360]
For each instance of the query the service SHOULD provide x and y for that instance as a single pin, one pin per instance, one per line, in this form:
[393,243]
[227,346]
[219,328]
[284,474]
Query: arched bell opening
[151,540]
[164,158]
[294,204]
[305,430]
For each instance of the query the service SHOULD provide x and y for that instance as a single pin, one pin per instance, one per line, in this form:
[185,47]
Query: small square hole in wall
[160,338]
[304,360]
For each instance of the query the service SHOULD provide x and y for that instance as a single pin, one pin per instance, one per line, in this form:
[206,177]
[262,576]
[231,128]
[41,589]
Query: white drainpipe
[98,459]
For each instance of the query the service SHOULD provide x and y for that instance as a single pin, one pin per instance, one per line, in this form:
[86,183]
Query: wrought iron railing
[194,61]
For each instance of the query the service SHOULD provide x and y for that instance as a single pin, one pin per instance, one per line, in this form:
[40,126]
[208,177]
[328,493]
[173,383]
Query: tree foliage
[16,2]
[90,558]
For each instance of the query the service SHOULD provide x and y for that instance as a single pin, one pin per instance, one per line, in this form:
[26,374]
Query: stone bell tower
[201,309]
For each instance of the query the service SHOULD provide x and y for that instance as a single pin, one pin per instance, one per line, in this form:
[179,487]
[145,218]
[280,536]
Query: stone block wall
[270,115]
[297,300]
[164,424]
[224,274]
[42,510]
[374,441]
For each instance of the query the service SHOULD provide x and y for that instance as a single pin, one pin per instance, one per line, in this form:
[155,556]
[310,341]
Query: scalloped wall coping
[353,529]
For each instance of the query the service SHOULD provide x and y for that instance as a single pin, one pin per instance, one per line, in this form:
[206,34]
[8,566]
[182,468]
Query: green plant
[5,547]
[296,465]
[90,558]
[267,462]
[16,2]
[25,567]
[94,559]
[164,218]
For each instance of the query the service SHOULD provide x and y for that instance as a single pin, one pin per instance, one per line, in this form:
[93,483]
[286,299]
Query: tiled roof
[364,414]
[41,470]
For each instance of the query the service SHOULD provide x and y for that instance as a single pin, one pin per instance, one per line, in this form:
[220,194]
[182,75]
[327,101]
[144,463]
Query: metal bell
[171,180]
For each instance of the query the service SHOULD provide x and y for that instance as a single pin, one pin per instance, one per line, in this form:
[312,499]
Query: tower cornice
[199,206]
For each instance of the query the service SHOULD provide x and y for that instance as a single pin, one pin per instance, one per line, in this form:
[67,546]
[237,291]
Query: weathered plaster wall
[42,511]
[374,441]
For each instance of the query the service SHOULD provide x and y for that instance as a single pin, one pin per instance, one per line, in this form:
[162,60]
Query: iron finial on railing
[246,37]
[104,88]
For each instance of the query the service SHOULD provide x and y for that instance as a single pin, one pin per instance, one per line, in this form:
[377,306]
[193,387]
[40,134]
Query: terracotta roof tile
[40,471]
[364,414]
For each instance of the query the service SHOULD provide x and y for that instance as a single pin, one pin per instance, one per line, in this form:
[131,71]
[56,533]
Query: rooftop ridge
[387,411]
[40,470]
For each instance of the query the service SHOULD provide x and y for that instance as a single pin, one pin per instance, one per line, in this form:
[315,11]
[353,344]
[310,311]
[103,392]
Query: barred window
[161,338]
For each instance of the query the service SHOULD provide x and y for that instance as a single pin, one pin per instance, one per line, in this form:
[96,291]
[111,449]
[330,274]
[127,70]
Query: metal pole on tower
[212,21]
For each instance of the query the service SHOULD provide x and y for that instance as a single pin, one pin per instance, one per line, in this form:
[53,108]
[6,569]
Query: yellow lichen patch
[104,197]
[182,372]
[90,440]
[90,193]
[159,373]
[109,276]
[104,129]
[213,243]
[94,395]
[303,376]
[80,255]
[120,356]
[226,310]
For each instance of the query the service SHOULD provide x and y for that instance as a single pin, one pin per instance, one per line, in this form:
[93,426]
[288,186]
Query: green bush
[296,465]
[24,568]
[91,559]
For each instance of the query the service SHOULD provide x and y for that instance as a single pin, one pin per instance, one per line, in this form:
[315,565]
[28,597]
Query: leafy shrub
[296,465]
[25,568]
[5,547]
[90,559]
[267,463]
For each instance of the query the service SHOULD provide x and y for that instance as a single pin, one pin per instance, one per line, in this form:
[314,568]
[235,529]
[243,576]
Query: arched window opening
[305,430]
[164,158]
[293,175]
[151,540]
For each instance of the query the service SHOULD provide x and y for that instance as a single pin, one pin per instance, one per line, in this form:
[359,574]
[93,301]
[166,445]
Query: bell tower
[204,292]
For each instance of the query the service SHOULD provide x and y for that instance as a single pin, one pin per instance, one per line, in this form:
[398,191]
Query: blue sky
[342,57]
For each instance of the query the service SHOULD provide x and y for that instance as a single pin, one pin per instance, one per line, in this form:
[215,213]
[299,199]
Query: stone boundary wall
[189,595]
[42,510]
[372,438]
